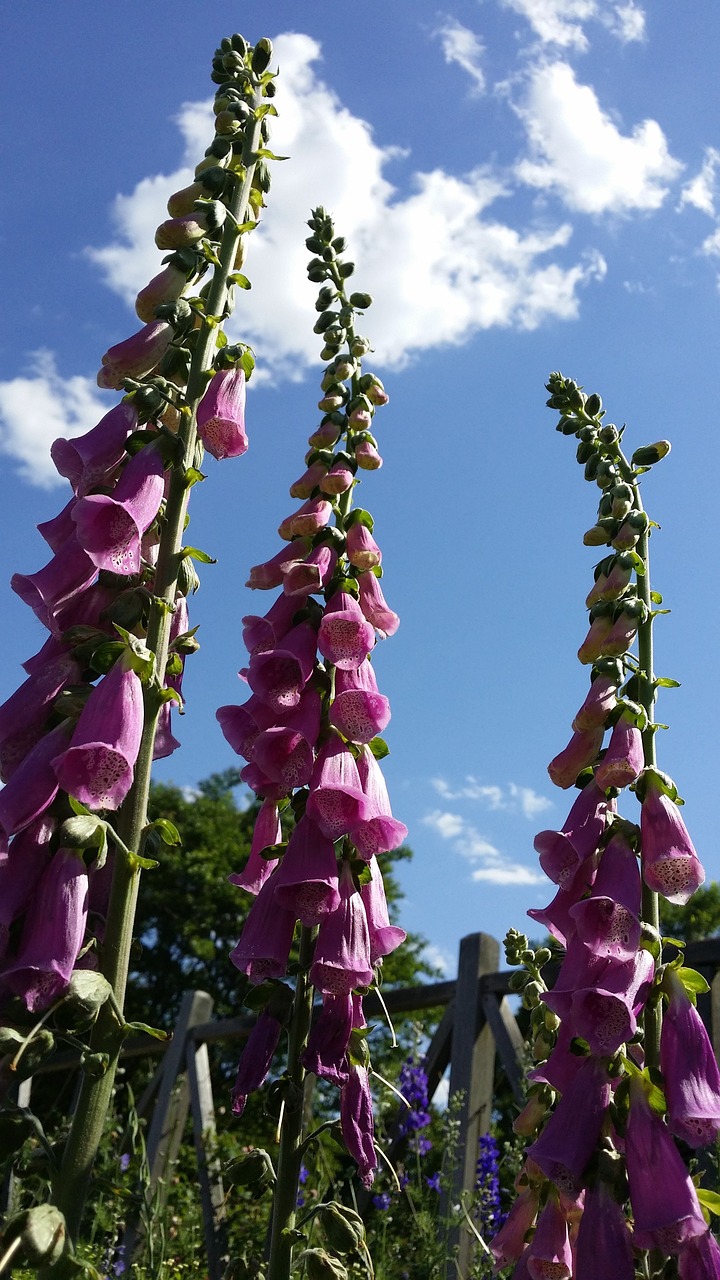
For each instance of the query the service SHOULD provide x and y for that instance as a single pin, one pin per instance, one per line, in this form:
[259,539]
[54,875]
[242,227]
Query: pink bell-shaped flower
[266,833]
[356,1121]
[269,574]
[256,1059]
[608,921]
[279,676]
[20,870]
[33,785]
[110,528]
[337,802]
[699,1258]
[664,1201]
[623,759]
[690,1069]
[265,941]
[341,960]
[362,550]
[358,709]
[598,704]
[311,574]
[312,516]
[221,414]
[52,934]
[375,606]
[604,1244]
[135,356]
[670,865]
[378,832]
[580,752]
[23,715]
[562,852]
[345,638]
[285,752]
[550,1254]
[69,573]
[261,633]
[326,1050]
[92,459]
[384,936]
[306,881]
[99,765]
[571,1134]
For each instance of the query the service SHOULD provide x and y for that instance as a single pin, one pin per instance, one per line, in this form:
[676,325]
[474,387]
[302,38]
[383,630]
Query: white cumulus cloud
[700,191]
[562,22]
[36,408]
[577,150]
[439,264]
[464,47]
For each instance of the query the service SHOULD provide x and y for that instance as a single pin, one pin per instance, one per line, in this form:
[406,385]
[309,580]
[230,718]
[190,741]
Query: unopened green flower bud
[39,1048]
[343,1228]
[188,581]
[621,496]
[585,450]
[552,1022]
[254,1170]
[325,298]
[593,405]
[606,474]
[361,301]
[649,454]
[94,1064]
[591,466]
[320,1266]
[601,533]
[542,955]
[42,1234]
[86,992]
[531,994]
[359,346]
[261,56]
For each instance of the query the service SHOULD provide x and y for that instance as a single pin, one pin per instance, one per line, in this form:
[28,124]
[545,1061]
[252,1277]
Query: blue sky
[526,185]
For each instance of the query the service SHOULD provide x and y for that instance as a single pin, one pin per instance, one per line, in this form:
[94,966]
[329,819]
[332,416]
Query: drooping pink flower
[664,1201]
[580,752]
[345,637]
[167,286]
[304,486]
[307,879]
[509,1242]
[52,934]
[367,456]
[265,788]
[256,1059]
[608,922]
[358,709]
[279,676]
[285,752]
[604,1244]
[266,833]
[241,726]
[269,574]
[598,704]
[136,355]
[20,871]
[621,634]
[264,632]
[550,1255]
[362,550]
[23,715]
[337,480]
[384,936]
[337,802]
[341,960]
[571,1135]
[610,586]
[265,941]
[327,434]
[99,765]
[221,414]
[110,528]
[375,606]
[60,528]
[165,741]
[670,865]
[605,1013]
[699,1258]
[307,520]
[92,459]
[593,644]
[562,852]
[690,1069]
[560,1069]
[356,1121]
[623,759]
[326,1050]
[34,785]
[69,572]
[310,575]
[378,832]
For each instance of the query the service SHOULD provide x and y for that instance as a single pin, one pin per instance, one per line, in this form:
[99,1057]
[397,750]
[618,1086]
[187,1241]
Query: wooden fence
[477,1028]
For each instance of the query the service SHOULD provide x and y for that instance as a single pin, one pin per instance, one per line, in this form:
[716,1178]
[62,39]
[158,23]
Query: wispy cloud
[578,152]
[467,841]
[464,47]
[563,22]
[36,408]
[701,191]
[439,959]
[511,797]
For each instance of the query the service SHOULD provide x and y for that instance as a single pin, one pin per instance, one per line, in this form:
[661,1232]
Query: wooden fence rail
[476,1029]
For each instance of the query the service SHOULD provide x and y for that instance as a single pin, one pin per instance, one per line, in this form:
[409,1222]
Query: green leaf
[247,363]
[674,942]
[272,851]
[142,864]
[709,1199]
[692,981]
[264,154]
[267,109]
[656,597]
[240,280]
[221,338]
[664,682]
[167,831]
[155,1032]
[77,806]
[193,476]
[379,748]
[246,226]
[195,553]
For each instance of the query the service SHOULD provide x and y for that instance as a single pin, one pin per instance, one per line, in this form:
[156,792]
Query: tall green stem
[290,1150]
[72,1183]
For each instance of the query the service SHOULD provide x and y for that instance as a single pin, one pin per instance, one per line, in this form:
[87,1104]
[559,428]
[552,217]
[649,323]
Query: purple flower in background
[382,1201]
[487,1182]
[550,1254]
[266,832]
[433,1182]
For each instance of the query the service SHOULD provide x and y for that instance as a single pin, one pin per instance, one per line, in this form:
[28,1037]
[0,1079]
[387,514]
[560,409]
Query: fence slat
[212,1194]
[508,1040]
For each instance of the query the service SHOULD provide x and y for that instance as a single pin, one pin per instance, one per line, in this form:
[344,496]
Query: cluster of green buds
[530,984]
[344,1233]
